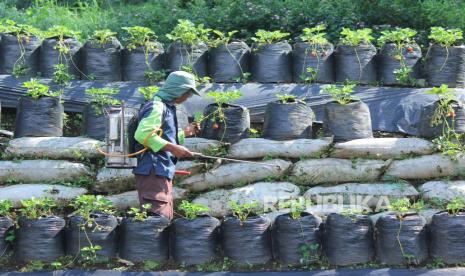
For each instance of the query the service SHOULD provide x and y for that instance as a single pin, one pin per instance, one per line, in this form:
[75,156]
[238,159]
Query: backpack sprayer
[118,153]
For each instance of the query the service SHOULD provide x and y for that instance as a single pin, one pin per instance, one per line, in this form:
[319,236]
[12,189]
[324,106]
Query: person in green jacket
[156,167]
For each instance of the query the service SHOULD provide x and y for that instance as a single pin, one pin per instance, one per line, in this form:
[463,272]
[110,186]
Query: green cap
[177,83]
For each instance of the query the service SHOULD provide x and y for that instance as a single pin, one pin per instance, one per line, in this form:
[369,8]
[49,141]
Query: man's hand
[192,129]
[178,151]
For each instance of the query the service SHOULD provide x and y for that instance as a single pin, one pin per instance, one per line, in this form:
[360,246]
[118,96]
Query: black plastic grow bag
[179,55]
[234,127]
[5,225]
[447,237]
[50,56]
[102,232]
[135,65]
[94,124]
[318,57]
[348,240]
[39,118]
[228,63]
[445,66]
[347,122]
[356,63]
[293,237]
[272,63]
[247,242]
[389,60]
[144,240]
[401,242]
[102,62]
[287,121]
[426,129]
[39,239]
[13,54]
[194,241]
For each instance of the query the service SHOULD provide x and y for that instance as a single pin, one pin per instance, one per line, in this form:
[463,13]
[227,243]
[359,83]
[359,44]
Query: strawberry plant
[263,37]
[188,33]
[445,37]
[101,97]
[36,208]
[6,207]
[140,215]
[243,211]
[148,92]
[37,90]
[296,206]
[254,133]
[222,39]
[315,35]
[357,37]
[102,37]
[286,98]
[87,205]
[455,206]
[341,94]
[192,210]
[317,40]
[154,76]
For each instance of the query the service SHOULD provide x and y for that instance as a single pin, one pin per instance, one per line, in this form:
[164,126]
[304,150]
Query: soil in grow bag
[319,58]
[348,240]
[288,121]
[50,56]
[347,122]
[102,62]
[39,239]
[144,240]
[297,241]
[194,241]
[447,237]
[179,55]
[355,63]
[6,225]
[234,127]
[446,66]
[228,63]
[272,63]
[401,242]
[102,232]
[135,65]
[39,118]
[389,61]
[247,242]
[22,56]
[425,128]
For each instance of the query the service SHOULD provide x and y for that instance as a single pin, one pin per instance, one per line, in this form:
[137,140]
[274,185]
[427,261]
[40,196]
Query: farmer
[155,169]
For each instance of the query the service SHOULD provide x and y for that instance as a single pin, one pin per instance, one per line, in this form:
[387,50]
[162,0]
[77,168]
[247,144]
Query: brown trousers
[158,191]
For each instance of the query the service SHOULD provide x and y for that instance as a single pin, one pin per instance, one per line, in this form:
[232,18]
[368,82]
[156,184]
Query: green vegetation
[263,37]
[140,215]
[192,210]
[86,205]
[148,92]
[37,90]
[357,37]
[243,211]
[35,208]
[103,37]
[286,98]
[6,208]
[101,97]
[455,206]
[341,94]
[445,37]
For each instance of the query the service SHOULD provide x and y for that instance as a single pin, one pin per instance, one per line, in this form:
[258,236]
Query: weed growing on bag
[192,210]
[36,208]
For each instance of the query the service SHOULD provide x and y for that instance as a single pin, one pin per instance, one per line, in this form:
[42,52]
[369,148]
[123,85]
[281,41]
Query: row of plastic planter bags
[343,239]
[269,63]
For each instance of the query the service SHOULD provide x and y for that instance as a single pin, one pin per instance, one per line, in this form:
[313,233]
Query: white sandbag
[443,190]
[54,147]
[426,167]
[259,148]
[202,145]
[235,173]
[331,170]
[19,192]
[374,195]
[37,171]
[110,180]
[266,194]
[382,148]
[130,199]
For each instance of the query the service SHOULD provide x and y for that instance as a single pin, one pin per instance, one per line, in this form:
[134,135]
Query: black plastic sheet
[194,241]
[287,121]
[234,127]
[94,125]
[401,241]
[13,54]
[144,240]
[39,118]
[179,55]
[293,239]
[135,64]
[228,63]
[446,66]
[347,122]
[102,62]
[348,240]
[426,129]
[272,63]
[247,242]
[102,232]
[50,56]
[318,57]
[389,61]
[39,239]
[447,237]
[356,63]
[5,225]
